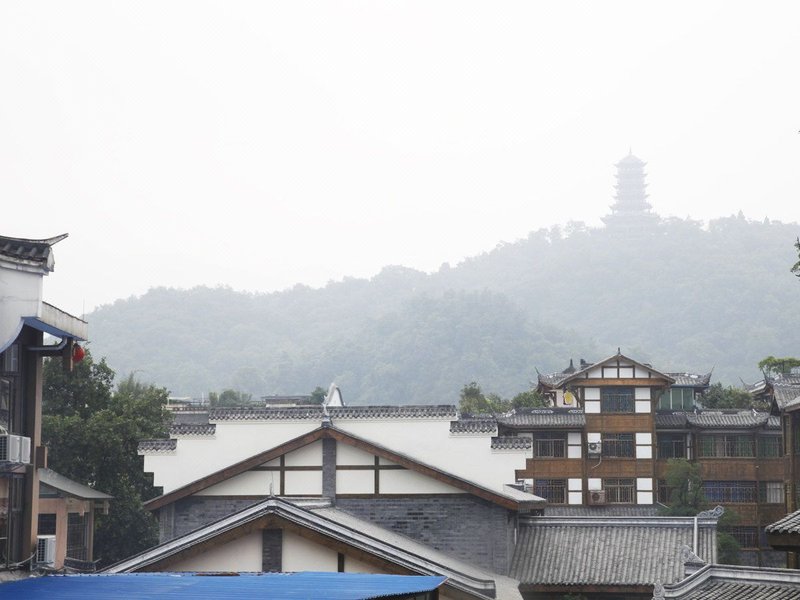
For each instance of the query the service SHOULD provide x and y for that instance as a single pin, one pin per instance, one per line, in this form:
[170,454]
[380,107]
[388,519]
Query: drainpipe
[694,537]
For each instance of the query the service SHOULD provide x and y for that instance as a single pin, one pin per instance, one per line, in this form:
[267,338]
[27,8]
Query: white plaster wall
[250,483]
[307,456]
[594,484]
[643,406]
[300,554]
[355,482]
[20,296]
[597,372]
[347,455]
[642,393]
[353,565]
[591,393]
[642,373]
[234,441]
[243,554]
[411,482]
[626,372]
[430,442]
[302,483]
[591,407]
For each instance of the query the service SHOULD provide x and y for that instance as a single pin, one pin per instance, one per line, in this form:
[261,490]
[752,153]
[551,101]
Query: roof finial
[630,150]
[618,350]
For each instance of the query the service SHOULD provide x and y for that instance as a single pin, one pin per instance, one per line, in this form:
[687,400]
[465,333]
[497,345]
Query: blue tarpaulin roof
[166,586]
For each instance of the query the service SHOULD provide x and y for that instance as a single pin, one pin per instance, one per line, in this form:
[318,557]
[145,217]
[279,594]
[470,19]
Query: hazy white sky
[261,144]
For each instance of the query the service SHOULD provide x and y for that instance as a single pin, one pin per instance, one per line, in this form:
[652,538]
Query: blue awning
[168,586]
[37,323]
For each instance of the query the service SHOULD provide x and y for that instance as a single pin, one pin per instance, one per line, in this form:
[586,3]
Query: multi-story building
[24,319]
[615,425]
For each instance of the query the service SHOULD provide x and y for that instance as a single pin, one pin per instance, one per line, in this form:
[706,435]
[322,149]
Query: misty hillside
[679,295]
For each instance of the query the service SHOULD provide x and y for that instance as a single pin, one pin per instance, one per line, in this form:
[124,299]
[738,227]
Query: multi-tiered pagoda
[631,210]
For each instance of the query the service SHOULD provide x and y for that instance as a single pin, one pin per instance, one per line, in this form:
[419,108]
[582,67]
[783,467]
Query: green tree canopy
[229,397]
[473,401]
[778,366]
[719,396]
[92,432]
[686,499]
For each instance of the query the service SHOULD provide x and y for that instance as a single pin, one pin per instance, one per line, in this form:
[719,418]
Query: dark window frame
[617,399]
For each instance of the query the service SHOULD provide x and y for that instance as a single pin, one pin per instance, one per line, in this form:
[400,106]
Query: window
[671,445]
[770,492]
[664,492]
[726,446]
[47,524]
[769,446]
[550,444]
[10,359]
[730,492]
[76,536]
[746,536]
[620,491]
[616,400]
[677,398]
[552,490]
[618,445]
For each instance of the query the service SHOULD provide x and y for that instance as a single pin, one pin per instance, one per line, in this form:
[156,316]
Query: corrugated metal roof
[275,586]
[69,487]
[608,551]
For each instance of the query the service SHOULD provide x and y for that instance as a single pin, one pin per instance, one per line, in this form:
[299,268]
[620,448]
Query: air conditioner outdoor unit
[595,447]
[15,448]
[46,550]
[597,497]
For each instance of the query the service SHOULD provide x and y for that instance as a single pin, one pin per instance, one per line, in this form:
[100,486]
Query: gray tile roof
[29,252]
[608,510]
[785,393]
[788,524]
[736,590]
[474,425]
[265,414]
[319,516]
[774,422]
[553,379]
[192,429]
[690,379]
[157,446]
[666,420]
[734,582]
[403,411]
[70,487]
[727,419]
[544,417]
[562,551]
[512,443]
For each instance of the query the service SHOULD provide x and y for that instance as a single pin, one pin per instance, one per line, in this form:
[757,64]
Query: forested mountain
[682,296]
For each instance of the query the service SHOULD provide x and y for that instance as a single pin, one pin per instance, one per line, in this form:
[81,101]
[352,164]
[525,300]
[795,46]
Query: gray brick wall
[463,526]
[329,468]
[272,550]
[195,511]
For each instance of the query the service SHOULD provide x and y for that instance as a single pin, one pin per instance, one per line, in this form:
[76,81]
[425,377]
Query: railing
[671,449]
[549,448]
[623,492]
[617,448]
[552,490]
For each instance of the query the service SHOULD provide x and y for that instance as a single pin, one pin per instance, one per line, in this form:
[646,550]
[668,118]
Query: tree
[318,395]
[778,366]
[718,396]
[473,401]
[229,397]
[796,268]
[686,498]
[529,399]
[92,432]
